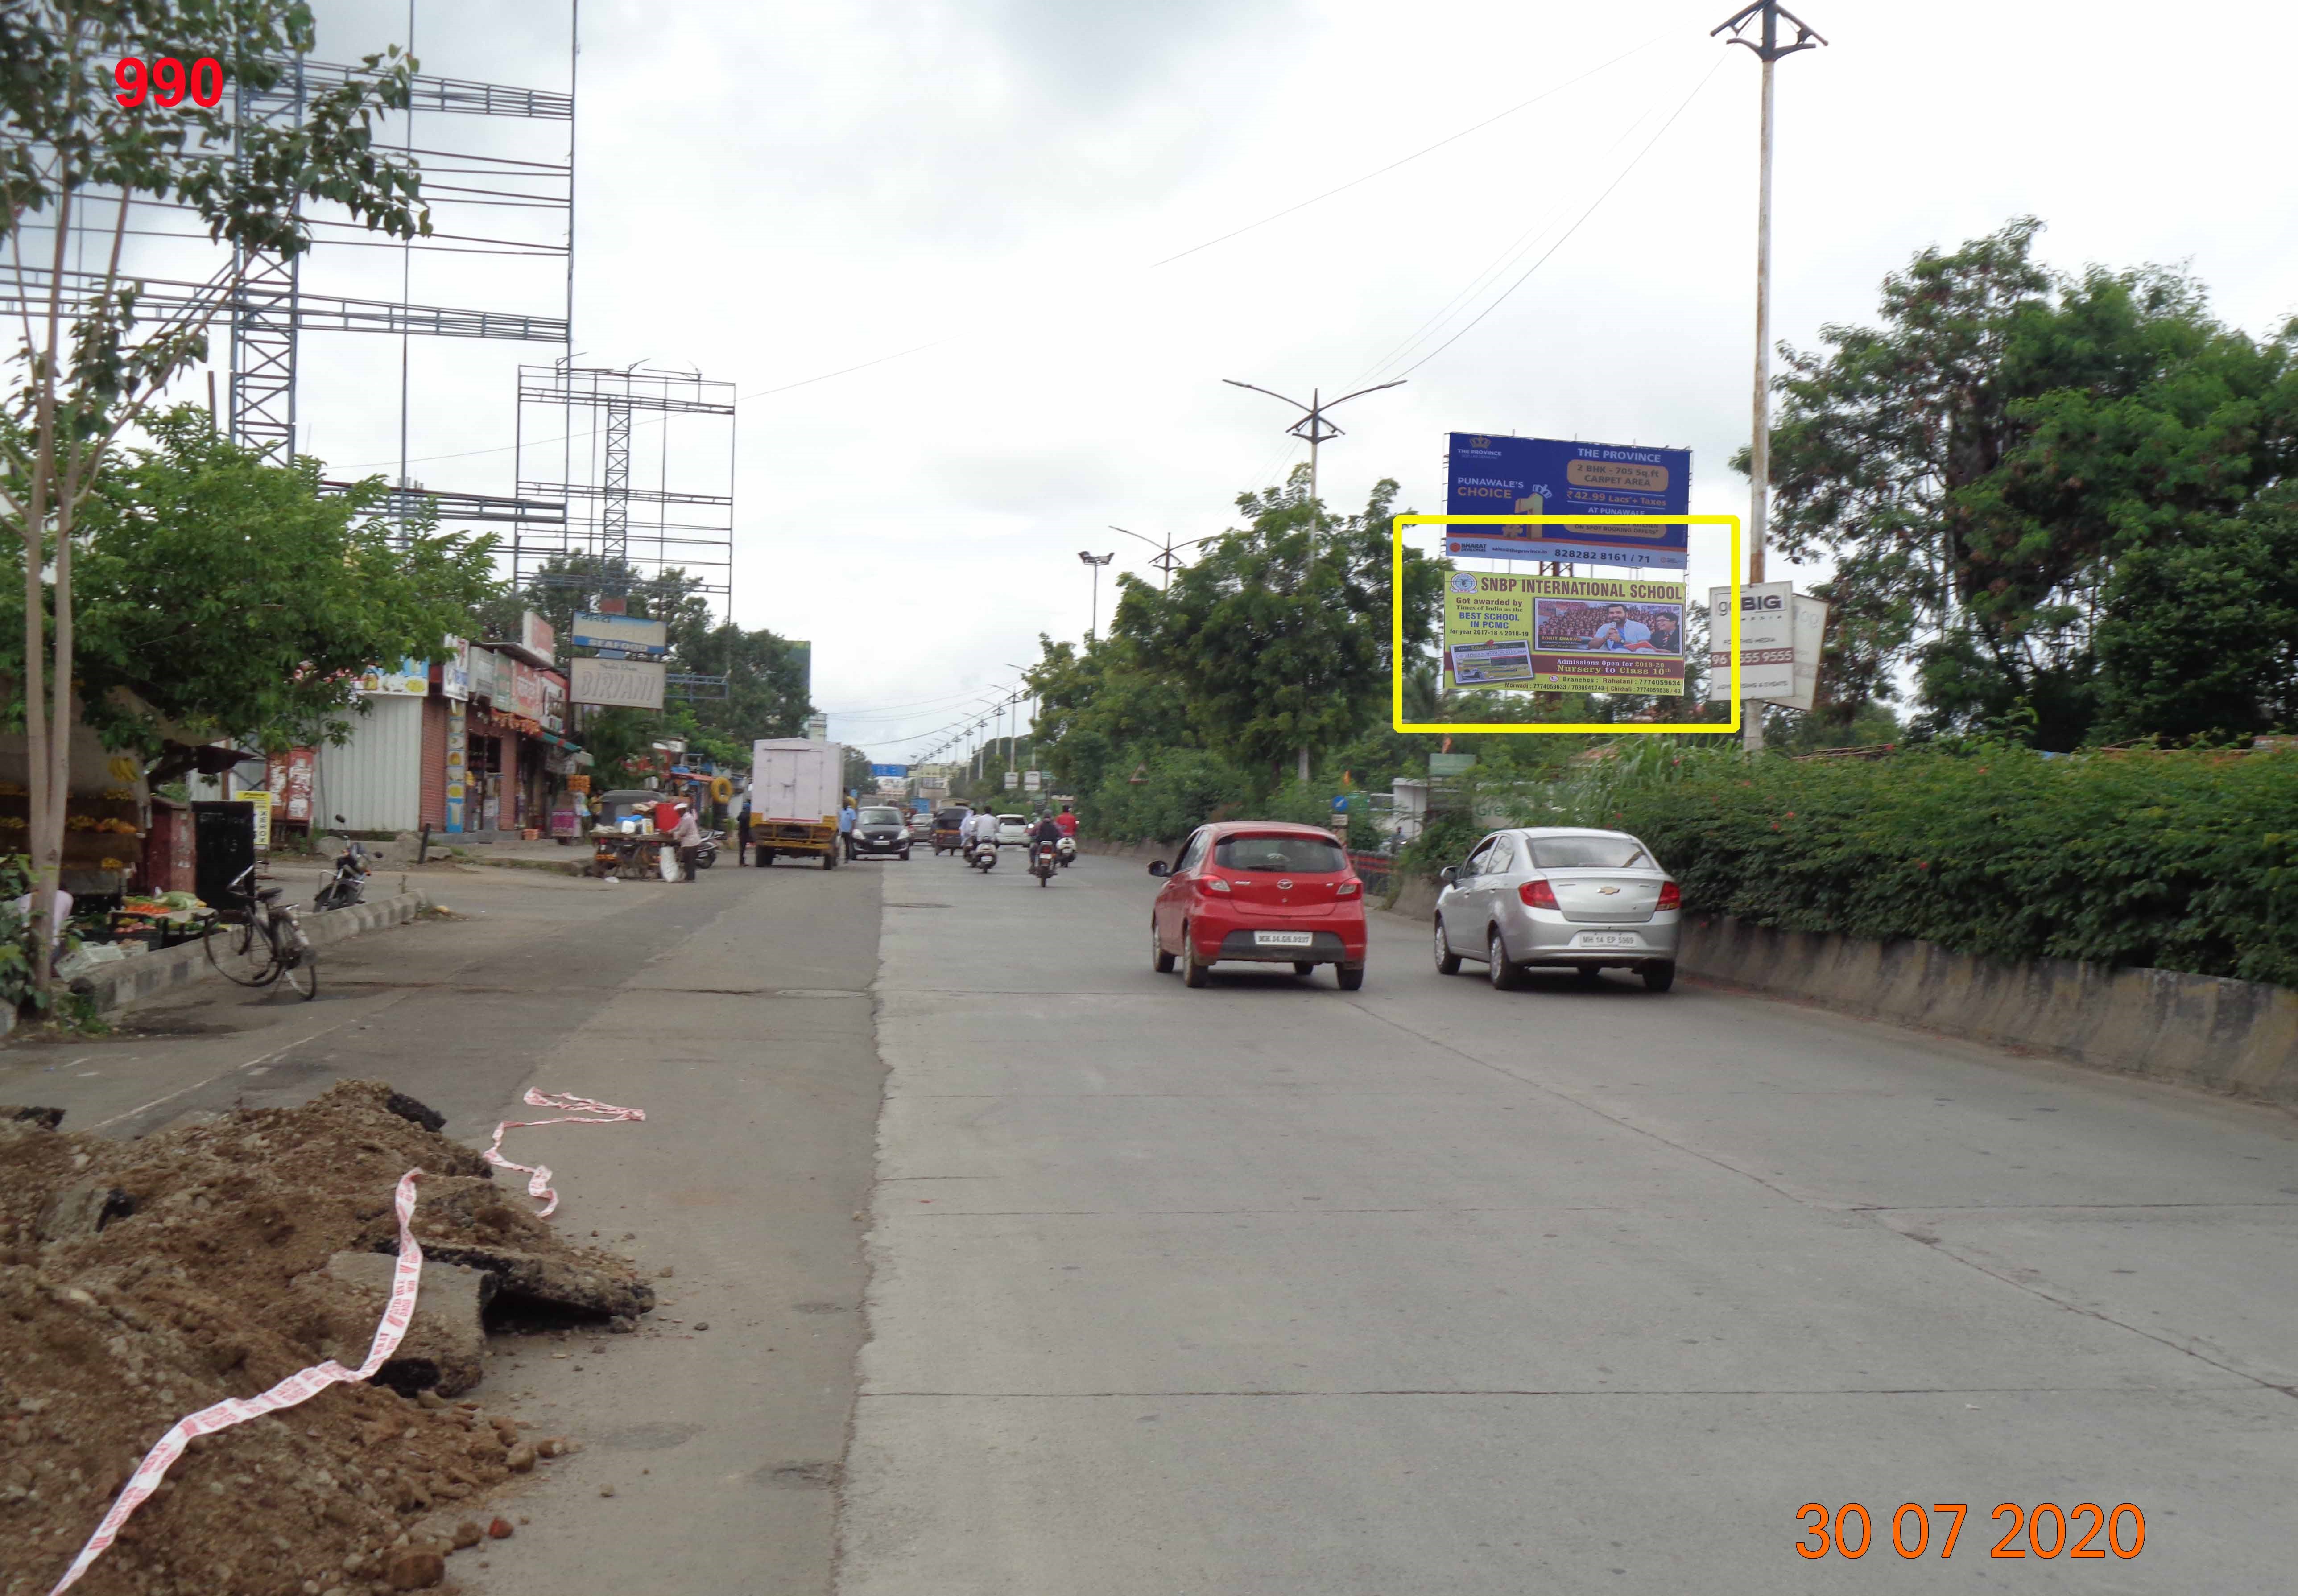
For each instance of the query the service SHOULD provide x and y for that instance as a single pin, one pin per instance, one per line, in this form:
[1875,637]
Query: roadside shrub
[2175,860]
[1180,790]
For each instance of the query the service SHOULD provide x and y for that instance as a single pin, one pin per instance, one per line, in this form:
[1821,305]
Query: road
[1269,1289]
[1430,1288]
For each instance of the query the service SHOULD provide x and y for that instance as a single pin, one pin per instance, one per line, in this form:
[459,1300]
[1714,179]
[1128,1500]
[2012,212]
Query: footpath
[736,1013]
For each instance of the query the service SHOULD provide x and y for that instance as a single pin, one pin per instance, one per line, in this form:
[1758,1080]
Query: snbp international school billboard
[1564,634]
[1492,475]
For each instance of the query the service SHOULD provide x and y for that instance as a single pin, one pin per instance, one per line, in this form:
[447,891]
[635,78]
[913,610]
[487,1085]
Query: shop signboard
[410,678]
[630,684]
[1767,651]
[261,799]
[526,690]
[535,634]
[290,784]
[624,635]
[458,762]
[554,702]
[454,675]
[1492,475]
[1564,634]
[482,672]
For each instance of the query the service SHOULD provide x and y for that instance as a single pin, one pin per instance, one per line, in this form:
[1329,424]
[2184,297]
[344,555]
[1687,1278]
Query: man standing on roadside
[688,835]
[845,826]
[742,832]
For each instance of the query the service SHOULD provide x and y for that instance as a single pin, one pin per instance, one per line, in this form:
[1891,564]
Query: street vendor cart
[625,843]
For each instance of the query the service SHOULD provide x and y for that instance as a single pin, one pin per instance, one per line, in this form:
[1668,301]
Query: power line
[1574,228]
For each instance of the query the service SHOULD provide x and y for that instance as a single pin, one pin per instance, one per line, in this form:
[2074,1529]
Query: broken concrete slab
[446,1344]
[538,1284]
[83,1210]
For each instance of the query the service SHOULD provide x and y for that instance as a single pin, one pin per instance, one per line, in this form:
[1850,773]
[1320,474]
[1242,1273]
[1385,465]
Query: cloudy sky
[1042,230]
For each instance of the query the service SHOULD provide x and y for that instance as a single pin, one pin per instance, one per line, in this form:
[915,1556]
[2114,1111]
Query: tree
[1978,465]
[91,362]
[219,595]
[1279,634]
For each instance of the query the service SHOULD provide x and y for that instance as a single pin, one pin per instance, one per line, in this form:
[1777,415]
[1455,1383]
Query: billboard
[1487,474]
[1564,634]
[900,770]
[632,684]
[623,634]
[1781,632]
[535,633]
[410,678]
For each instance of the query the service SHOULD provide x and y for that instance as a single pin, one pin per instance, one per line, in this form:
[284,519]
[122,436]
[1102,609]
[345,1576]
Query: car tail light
[1214,884]
[1347,889]
[1671,896]
[1537,894]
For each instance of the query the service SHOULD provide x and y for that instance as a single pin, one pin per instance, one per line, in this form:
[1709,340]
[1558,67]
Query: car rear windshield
[881,817]
[1590,853]
[1306,855]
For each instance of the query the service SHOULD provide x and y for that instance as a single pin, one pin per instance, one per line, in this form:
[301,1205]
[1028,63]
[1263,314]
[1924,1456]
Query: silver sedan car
[1562,897]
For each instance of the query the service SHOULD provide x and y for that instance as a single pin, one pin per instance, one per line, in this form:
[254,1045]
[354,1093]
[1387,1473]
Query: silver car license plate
[1284,938]
[1606,939]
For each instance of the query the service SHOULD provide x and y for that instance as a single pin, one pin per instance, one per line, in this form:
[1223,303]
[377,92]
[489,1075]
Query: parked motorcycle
[1046,859]
[348,886]
[984,857]
[707,853]
[1068,849]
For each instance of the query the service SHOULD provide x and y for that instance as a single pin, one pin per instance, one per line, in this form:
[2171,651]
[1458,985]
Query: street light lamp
[1164,559]
[1096,562]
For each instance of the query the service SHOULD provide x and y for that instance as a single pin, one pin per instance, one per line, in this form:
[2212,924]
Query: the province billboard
[1492,475]
[1564,634]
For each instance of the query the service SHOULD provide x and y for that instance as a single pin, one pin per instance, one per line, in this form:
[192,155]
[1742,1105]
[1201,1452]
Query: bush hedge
[2178,860]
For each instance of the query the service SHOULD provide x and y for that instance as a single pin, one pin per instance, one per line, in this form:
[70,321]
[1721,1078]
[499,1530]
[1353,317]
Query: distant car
[1260,892]
[1560,897]
[920,828]
[1013,831]
[879,831]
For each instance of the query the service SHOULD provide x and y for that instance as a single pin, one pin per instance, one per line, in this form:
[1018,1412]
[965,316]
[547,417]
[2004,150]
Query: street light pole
[1164,560]
[1096,562]
[1313,426]
[1768,50]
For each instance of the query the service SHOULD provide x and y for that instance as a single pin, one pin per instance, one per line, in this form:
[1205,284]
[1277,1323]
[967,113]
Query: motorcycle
[1044,860]
[1067,848]
[984,857]
[348,886]
[707,853]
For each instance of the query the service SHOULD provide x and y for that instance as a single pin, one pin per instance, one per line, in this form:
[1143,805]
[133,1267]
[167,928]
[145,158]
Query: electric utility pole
[1313,426]
[1768,50]
[1096,562]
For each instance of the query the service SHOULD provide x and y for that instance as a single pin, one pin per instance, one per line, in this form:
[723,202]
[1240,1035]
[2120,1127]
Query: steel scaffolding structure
[593,413]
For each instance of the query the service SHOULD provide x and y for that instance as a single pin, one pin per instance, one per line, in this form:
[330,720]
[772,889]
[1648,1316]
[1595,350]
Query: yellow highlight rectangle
[1396,623]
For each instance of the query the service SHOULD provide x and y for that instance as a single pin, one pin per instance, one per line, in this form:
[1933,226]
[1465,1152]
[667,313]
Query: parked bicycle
[256,939]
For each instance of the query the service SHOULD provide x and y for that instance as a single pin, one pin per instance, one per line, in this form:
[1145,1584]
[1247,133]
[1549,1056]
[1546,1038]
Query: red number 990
[167,83]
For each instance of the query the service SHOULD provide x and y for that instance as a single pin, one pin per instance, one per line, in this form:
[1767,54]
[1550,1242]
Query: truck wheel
[765,858]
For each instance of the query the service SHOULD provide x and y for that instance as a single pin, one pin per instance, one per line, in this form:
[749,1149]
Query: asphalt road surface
[1271,1289]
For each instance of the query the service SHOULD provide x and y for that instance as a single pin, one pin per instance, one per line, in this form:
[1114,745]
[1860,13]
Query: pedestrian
[688,835]
[846,825]
[742,832]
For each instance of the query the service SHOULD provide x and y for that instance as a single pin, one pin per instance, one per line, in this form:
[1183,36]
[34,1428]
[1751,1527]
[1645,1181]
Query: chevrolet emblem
[1607,891]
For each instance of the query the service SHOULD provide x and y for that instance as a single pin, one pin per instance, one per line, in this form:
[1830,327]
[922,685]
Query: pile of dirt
[142,1280]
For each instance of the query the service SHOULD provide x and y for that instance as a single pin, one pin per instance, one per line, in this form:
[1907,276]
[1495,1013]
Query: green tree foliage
[2179,861]
[1978,464]
[222,596]
[1278,636]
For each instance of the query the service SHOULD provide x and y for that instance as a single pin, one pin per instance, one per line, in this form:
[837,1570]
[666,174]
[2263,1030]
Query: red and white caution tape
[406,1281]
[296,1389]
[586,1111]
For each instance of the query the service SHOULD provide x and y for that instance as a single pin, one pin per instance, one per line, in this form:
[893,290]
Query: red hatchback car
[1266,892]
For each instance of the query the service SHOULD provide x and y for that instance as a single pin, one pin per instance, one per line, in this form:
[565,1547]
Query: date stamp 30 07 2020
[2046,1530]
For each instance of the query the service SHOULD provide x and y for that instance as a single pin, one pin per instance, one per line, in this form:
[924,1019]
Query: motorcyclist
[982,829]
[1067,822]
[1048,830]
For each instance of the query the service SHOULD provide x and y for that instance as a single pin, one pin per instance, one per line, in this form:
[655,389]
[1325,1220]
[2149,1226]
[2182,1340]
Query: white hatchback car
[1561,897]
[1013,831]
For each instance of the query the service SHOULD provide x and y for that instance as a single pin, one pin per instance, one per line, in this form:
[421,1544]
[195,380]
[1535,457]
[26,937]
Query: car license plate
[1284,938]
[1608,939]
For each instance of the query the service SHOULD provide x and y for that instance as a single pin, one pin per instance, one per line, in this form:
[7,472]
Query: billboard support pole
[1768,49]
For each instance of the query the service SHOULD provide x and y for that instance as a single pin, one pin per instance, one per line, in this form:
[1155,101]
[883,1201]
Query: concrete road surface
[1268,1290]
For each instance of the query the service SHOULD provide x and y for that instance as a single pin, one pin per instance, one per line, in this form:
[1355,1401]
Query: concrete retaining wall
[115,986]
[2232,1036]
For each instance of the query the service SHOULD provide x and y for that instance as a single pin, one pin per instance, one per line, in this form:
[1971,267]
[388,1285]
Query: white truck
[794,798]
